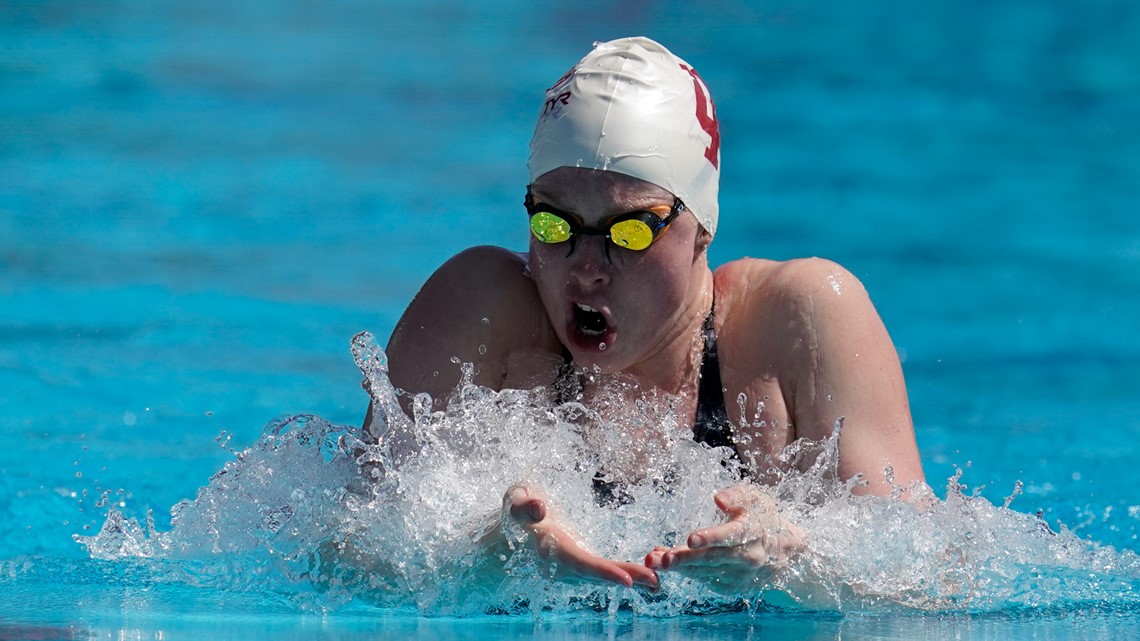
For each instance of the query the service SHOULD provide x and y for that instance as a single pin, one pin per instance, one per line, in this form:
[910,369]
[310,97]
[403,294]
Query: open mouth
[589,329]
[588,320]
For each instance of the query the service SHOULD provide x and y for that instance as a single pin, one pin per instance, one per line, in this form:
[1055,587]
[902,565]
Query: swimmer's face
[614,307]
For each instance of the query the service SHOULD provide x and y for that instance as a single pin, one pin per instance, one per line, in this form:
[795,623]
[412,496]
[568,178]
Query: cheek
[547,270]
[661,279]
[537,260]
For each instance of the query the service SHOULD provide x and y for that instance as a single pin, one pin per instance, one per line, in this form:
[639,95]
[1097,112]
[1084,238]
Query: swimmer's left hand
[754,543]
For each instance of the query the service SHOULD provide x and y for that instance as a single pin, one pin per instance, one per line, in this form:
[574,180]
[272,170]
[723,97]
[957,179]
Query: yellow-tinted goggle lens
[549,228]
[632,234]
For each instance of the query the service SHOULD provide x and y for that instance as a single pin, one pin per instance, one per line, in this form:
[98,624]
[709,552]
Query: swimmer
[622,206]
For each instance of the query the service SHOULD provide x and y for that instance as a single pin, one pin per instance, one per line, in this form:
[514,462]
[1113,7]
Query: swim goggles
[636,230]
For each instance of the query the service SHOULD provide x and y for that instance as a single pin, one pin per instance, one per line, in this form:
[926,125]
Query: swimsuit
[710,427]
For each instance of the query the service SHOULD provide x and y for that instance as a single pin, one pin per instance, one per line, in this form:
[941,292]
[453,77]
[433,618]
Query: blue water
[201,203]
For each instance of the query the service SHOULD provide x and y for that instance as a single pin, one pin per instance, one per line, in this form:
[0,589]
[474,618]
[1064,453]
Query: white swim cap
[633,107]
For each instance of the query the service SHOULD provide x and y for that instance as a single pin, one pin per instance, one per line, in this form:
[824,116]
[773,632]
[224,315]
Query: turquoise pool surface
[201,203]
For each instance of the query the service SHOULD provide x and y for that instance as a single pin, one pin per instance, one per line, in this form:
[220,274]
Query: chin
[595,344]
[607,361]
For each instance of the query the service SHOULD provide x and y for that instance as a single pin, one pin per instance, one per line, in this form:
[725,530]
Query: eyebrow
[644,203]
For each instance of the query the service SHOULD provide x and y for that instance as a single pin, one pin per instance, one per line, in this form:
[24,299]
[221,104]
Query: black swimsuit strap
[711,426]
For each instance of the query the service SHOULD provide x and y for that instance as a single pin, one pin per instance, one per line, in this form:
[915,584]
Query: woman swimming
[622,206]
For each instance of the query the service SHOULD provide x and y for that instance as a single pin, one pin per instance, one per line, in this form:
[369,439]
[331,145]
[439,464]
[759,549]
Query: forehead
[579,187]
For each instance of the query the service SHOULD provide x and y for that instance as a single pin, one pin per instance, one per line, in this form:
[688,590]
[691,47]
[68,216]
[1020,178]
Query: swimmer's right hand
[529,507]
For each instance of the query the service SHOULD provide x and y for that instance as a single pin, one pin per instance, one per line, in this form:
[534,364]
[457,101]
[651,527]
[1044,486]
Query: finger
[620,572]
[604,569]
[615,574]
[586,564]
[741,498]
[524,507]
[735,532]
[653,559]
[668,555]
[529,511]
[680,558]
[641,575]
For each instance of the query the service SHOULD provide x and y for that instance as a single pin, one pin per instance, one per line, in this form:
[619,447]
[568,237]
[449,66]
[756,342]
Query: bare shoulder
[804,337]
[783,308]
[479,307]
[769,311]
[482,286]
[485,268]
[793,281]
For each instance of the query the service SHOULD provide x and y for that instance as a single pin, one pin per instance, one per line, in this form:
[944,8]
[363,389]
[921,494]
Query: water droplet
[129,418]
[601,347]
[486,321]
[835,284]
[482,350]
[829,397]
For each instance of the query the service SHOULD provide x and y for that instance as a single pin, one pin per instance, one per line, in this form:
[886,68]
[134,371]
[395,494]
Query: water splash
[406,514]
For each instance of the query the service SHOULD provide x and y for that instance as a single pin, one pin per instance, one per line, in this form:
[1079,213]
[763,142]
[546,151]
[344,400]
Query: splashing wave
[407,516]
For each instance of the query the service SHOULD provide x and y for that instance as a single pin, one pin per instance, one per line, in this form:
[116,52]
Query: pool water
[202,203]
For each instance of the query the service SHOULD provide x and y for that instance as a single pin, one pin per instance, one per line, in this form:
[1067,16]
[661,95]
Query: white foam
[314,513]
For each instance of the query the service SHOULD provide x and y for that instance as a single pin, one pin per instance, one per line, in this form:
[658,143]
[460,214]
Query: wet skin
[799,339]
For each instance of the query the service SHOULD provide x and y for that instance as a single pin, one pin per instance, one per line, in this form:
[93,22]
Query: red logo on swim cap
[706,115]
[564,78]
[554,97]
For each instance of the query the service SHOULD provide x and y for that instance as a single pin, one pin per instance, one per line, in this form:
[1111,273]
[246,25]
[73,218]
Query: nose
[590,264]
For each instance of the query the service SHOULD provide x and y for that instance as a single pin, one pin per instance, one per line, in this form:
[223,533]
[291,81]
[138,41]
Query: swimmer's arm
[835,360]
[851,371]
[479,308]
